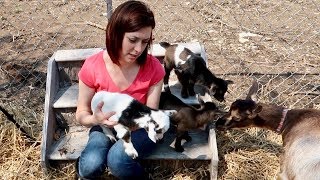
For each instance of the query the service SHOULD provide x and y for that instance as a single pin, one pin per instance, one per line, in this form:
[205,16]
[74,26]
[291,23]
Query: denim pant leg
[123,166]
[93,159]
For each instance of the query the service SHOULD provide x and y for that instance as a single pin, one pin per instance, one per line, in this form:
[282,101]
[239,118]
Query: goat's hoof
[160,141]
[184,95]
[192,93]
[132,153]
[188,138]
[112,139]
[179,149]
[167,90]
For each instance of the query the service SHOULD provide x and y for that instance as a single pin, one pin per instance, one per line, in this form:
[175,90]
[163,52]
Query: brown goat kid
[188,117]
[300,130]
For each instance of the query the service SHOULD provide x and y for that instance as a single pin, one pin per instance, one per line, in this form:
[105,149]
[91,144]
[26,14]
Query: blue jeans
[100,152]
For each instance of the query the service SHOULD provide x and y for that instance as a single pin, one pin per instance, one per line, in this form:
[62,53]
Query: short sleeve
[90,70]
[157,70]
[86,74]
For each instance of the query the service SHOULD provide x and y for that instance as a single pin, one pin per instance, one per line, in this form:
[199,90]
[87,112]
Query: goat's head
[241,115]
[214,111]
[161,119]
[242,112]
[219,88]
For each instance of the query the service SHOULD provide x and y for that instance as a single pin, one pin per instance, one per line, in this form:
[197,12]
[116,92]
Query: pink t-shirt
[94,74]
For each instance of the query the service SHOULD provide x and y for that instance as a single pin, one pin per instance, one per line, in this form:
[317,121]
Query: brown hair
[130,16]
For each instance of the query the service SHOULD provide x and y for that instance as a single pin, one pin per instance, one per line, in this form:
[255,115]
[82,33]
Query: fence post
[109,8]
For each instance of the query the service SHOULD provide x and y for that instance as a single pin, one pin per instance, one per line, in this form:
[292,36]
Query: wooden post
[109,8]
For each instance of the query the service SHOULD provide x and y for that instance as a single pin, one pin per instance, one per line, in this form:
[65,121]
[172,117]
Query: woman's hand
[103,118]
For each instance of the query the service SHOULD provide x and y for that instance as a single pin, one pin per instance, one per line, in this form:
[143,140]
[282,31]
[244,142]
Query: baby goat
[131,114]
[190,68]
[188,117]
[300,130]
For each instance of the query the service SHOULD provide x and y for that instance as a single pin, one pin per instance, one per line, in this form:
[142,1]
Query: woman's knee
[120,164]
[93,159]
[91,165]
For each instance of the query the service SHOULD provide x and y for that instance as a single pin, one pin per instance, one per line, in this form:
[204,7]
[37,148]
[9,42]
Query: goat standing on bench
[190,69]
[188,117]
[131,114]
[300,130]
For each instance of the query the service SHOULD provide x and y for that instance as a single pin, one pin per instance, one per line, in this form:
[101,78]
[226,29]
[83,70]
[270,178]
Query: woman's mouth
[131,56]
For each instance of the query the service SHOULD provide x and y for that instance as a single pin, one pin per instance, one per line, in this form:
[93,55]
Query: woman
[123,67]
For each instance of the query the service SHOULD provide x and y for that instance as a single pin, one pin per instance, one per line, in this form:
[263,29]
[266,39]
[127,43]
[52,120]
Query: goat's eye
[158,131]
[236,118]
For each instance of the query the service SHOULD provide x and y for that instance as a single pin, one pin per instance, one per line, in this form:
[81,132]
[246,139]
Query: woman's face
[134,43]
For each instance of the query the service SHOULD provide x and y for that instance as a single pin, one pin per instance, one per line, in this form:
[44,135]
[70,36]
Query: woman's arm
[154,95]
[84,115]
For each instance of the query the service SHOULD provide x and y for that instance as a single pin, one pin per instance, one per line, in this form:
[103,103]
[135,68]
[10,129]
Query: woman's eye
[132,40]
[145,42]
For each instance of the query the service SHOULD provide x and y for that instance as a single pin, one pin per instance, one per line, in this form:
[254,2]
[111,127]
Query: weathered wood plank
[75,54]
[70,146]
[155,50]
[49,122]
[212,141]
[68,97]
[197,149]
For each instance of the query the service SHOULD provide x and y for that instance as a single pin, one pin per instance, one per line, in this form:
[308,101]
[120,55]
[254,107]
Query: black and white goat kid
[190,68]
[130,115]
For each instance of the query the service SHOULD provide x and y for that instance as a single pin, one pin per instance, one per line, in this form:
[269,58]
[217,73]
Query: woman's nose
[138,47]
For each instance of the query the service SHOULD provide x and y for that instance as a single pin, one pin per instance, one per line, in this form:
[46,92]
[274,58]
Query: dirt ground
[276,42]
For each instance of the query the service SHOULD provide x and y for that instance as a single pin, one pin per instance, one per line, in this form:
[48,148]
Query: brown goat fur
[300,130]
[188,117]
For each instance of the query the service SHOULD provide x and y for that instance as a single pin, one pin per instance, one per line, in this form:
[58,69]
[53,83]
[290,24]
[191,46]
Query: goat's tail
[164,44]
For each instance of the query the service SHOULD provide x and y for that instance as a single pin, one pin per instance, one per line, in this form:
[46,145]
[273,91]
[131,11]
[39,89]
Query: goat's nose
[220,124]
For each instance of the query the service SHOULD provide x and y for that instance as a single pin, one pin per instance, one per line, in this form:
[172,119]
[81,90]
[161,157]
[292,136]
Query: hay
[19,158]
[243,154]
[249,154]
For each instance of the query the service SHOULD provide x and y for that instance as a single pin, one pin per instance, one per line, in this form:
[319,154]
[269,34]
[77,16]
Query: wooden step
[70,146]
[67,97]
[155,50]
[61,101]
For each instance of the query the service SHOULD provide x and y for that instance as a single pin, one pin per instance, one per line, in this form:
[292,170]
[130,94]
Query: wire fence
[276,42]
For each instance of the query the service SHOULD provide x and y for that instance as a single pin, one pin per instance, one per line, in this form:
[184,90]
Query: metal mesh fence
[276,42]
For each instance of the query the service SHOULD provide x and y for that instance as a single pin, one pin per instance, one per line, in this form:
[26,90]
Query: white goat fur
[119,102]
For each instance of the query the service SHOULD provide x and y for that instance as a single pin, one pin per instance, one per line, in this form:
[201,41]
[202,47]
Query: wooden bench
[63,138]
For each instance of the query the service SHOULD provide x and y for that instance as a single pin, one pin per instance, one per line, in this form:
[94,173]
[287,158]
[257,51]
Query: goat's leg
[124,134]
[151,132]
[166,78]
[108,133]
[186,136]
[177,146]
[184,80]
[191,89]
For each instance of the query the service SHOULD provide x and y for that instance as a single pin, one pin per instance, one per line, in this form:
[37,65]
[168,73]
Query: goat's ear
[258,109]
[169,112]
[192,65]
[229,82]
[252,94]
[179,70]
[200,99]
[213,88]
